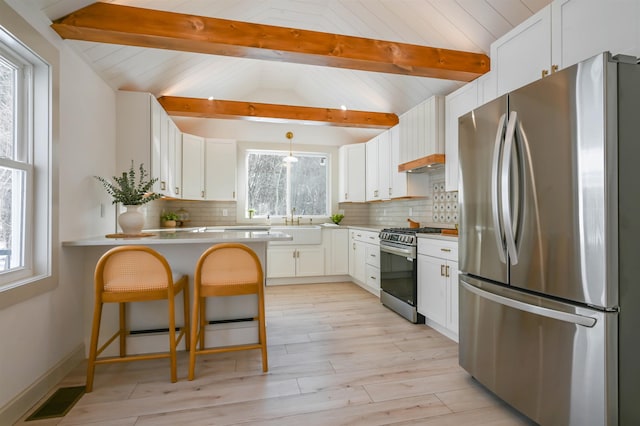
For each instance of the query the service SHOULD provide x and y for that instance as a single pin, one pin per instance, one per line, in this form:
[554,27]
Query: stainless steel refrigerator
[550,245]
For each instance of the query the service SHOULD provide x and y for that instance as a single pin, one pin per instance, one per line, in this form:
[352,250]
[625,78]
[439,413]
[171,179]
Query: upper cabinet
[562,34]
[352,170]
[378,168]
[145,134]
[457,104]
[193,167]
[422,130]
[220,169]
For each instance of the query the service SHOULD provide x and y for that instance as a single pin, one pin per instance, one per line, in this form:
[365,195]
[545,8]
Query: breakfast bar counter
[230,317]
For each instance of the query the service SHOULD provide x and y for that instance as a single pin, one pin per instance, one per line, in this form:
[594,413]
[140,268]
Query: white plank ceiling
[470,25]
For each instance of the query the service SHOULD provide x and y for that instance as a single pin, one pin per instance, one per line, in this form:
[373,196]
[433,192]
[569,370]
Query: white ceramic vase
[131,221]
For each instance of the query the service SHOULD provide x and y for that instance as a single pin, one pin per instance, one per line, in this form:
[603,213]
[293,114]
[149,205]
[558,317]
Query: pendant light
[290,158]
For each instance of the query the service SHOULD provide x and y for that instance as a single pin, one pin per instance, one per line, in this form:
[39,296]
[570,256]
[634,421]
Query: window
[275,188]
[25,169]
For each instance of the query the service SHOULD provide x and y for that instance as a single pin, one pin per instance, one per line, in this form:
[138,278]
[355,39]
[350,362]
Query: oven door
[398,272]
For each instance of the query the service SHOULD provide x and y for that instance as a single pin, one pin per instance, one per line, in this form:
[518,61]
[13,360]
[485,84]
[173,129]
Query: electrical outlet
[225,212]
[101,209]
[410,211]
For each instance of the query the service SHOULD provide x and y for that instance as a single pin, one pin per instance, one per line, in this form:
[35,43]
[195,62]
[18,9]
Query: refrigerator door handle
[495,189]
[504,188]
[533,309]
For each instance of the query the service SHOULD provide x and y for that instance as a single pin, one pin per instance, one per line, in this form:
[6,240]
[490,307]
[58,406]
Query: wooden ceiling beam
[273,113]
[116,24]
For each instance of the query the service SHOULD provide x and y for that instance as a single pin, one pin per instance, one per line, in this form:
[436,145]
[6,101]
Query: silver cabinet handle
[447,271]
[442,270]
[445,250]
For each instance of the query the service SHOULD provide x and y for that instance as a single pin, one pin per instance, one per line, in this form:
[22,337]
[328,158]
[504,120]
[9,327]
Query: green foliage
[169,216]
[130,191]
[336,218]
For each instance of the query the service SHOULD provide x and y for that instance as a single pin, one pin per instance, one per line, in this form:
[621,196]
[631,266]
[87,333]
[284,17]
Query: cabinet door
[357,265]
[432,289]
[343,174]
[584,28]
[220,169]
[372,170]
[157,146]
[457,103]
[452,285]
[192,167]
[338,252]
[281,262]
[310,261]
[355,171]
[384,165]
[520,56]
[177,159]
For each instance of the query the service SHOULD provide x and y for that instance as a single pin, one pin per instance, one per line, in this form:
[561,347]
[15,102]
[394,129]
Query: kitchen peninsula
[230,317]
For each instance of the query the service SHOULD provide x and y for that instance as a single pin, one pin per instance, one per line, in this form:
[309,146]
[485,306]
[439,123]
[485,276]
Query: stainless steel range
[399,270]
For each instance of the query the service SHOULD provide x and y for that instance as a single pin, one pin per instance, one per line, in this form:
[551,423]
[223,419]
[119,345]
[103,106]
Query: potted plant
[336,218]
[251,213]
[169,219]
[132,190]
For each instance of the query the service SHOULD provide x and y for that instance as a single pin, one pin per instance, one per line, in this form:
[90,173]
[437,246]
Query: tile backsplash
[439,208]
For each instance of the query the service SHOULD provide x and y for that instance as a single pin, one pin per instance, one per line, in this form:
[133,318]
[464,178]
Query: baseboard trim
[309,280]
[23,402]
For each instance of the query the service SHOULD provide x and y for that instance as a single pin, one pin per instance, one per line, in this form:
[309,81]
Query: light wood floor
[336,357]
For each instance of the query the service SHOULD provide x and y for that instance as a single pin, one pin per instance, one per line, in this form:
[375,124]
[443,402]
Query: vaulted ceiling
[465,25]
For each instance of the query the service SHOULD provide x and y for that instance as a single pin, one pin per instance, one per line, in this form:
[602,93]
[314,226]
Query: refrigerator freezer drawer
[552,361]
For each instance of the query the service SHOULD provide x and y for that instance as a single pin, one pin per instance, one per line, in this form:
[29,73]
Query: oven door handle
[408,252]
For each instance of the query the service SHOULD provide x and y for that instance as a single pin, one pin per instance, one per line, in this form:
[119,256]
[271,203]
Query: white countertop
[186,236]
[444,237]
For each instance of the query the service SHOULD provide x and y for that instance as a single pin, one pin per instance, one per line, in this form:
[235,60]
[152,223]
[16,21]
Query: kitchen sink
[301,234]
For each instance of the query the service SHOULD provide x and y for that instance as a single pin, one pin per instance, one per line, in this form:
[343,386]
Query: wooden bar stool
[135,274]
[229,269]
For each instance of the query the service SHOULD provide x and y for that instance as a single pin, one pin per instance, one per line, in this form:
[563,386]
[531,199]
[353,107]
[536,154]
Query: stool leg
[195,315]
[172,337]
[203,320]
[262,331]
[187,326]
[123,329]
[93,349]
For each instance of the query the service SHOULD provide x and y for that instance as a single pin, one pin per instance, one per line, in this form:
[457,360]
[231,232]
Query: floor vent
[58,404]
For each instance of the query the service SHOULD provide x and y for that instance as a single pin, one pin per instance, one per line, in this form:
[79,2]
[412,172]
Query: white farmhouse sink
[302,234]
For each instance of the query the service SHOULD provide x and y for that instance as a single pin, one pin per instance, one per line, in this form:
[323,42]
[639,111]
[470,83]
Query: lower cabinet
[364,260]
[295,261]
[336,244]
[438,284]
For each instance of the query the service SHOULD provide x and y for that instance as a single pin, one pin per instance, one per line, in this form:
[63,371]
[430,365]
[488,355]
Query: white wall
[44,332]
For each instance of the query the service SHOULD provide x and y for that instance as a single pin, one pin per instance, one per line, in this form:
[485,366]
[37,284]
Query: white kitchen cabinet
[562,34]
[142,136]
[220,169]
[422,130]
[295,261]
[378,168]
[438,284]
[364,260]
[520,56]
[193,167]
[336,245]
[352,170]
[174,184]
[457,104]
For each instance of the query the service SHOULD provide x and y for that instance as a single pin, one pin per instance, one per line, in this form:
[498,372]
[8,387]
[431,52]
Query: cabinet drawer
[372,255]
[438,248]
[372,277]
[365,236]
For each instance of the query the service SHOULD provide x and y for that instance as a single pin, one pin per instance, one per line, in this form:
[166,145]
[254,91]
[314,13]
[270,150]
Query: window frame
[284,153]
[36,131]
[317,146]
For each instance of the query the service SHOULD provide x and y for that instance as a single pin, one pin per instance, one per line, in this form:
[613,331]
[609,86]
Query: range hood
[423,164]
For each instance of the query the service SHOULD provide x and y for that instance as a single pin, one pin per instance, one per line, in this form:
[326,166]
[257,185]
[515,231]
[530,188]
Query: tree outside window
[275,188]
